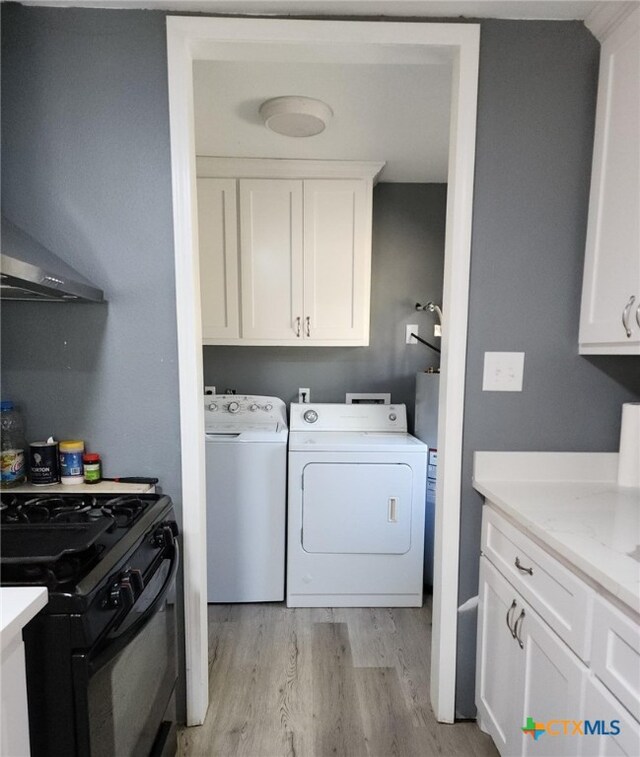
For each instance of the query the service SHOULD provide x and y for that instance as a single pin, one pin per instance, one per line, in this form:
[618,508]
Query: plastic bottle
[13,468]
[71,453]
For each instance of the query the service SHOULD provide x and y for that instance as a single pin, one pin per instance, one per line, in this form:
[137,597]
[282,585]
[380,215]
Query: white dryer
[356,507]
[246,468]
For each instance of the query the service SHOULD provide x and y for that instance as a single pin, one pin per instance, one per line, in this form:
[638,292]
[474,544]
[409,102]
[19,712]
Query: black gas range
[101,656]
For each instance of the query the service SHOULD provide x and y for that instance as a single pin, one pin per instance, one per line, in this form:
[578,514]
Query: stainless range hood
[31,272]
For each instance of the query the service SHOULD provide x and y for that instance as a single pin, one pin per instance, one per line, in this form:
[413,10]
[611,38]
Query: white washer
[246,462]
[356,507]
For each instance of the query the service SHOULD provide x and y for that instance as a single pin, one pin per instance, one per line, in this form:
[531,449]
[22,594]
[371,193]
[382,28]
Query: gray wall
[536,110]
[85,170]
[407,267]
[85,159]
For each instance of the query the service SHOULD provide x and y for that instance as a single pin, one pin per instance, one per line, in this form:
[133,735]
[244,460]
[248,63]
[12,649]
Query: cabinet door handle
[625,315]
[521,567]
[308,320]
[509,611]
[298,326]
[516,629]
[638,315]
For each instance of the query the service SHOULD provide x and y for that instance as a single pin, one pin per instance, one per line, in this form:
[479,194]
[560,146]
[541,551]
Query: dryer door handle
[392,512]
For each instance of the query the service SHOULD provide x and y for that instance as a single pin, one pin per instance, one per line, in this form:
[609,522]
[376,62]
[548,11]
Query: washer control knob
[268,407]
[253,407]
[393,417]
[213,407]
[233,407]
[310,416]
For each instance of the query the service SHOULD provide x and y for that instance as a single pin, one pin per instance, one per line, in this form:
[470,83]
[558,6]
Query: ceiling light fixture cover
[295,116]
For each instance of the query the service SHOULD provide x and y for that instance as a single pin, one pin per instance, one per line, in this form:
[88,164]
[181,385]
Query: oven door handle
[117,643]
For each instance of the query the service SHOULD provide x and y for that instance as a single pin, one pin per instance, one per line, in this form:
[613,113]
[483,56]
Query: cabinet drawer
[615,654]
[561,598]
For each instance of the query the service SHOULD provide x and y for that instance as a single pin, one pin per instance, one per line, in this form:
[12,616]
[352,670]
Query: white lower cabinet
[499,672]
[553,687]
[14,721]
[528,672]
[524,671]
[619,731]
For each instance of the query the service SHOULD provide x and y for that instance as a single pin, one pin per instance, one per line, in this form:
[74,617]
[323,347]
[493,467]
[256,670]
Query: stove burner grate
[72,508]
[53,539]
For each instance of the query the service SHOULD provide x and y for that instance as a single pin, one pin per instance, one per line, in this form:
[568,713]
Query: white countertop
[571,502]
[17,606]
[104,487]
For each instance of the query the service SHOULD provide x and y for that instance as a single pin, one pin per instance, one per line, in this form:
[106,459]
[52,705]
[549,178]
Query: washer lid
[225,433]
[354,441]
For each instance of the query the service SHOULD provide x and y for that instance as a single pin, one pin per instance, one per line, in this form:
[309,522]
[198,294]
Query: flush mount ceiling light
[295,116]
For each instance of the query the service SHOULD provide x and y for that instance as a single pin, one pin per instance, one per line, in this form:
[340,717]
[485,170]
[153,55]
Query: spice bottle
[92,468]
[13,468]
[71,462]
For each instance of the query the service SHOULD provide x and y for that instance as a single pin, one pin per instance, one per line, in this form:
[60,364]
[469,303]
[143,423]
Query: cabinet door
[499,667]
[218,242]
[618,733]
[553,688]
[271,258]
[337,260]
[612,262]
[14,716]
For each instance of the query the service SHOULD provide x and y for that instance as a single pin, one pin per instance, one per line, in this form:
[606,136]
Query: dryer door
[357,508]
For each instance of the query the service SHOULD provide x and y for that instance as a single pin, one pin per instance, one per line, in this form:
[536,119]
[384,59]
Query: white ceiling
[393,113]
[524,9]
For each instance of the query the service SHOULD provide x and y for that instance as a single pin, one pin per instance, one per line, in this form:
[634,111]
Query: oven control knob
[310,416]
[114,599]
[164,535]
[233,407]
[268,407]
[393,417]
[253,407]
[134,575]
[213,407]
[121,594]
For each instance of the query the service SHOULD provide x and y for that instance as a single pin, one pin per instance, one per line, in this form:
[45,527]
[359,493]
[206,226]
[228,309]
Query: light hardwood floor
[323,683]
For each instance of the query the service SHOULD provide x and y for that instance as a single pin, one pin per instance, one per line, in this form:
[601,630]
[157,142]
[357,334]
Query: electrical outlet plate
[503,372]
[304,395]
[410,328]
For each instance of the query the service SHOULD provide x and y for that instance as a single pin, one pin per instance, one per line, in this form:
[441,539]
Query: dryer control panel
[340,417]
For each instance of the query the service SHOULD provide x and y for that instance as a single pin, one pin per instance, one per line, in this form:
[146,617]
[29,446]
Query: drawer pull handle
[625,315]
[521,567]
[516,629]
[509,611]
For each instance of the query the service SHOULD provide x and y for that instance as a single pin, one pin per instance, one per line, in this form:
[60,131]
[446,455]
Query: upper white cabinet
[610,314]
[285,251]
[218,236]
[271,258]
[337,260]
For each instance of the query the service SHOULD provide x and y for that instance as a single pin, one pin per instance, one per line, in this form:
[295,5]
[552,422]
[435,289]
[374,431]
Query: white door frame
[198,38]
